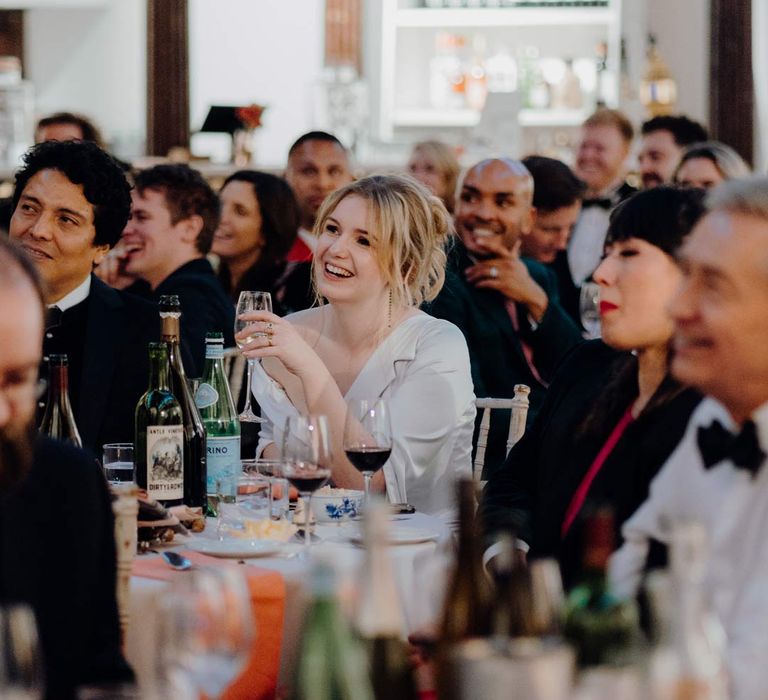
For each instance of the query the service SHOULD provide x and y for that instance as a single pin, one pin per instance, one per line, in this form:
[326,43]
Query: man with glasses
[57,550]
[506,305]
[71,203]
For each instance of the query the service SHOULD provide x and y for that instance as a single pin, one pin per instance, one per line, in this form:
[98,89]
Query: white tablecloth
[420,571]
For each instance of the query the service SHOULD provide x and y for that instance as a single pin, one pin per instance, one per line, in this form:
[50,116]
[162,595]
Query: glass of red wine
[307,460]
[368,437]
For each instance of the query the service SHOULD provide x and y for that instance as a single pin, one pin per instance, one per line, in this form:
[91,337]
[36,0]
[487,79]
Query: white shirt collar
[308,238]
[710,409]
[78,294]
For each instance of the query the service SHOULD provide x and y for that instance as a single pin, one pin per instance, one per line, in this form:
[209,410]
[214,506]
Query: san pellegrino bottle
[332,664]
[214,400]
[194,430]
[159,434]
[604,629]
[689,661]
[58,420]
[379,619]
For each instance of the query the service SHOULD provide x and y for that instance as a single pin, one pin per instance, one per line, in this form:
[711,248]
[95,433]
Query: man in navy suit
[506,305]
[71,203]
[57,547]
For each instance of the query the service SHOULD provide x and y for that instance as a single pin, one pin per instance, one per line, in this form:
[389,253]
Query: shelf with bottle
[520,16]
[430,117]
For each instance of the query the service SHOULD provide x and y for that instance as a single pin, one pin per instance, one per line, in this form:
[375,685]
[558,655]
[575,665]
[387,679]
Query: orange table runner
[259,679]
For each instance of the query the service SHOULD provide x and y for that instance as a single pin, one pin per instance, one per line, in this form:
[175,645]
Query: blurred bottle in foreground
[379,619]
[688,661]
[332,664]
[58,420]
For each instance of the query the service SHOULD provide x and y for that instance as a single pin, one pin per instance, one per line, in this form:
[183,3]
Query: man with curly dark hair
[662,143]
[70,205]
[174,214]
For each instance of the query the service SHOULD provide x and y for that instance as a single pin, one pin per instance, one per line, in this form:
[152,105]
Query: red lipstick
[606,306]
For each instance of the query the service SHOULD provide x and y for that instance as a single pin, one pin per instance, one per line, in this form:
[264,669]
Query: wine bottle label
[223,461]
[206,395]
[165,461]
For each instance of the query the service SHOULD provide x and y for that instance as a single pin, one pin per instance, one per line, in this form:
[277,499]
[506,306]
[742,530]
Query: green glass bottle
[59,421]
[214,400]
[194,430]
[159,434]
[332,664]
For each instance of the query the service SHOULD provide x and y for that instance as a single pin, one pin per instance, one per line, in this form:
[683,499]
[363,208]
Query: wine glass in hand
[307,460]
[589,309]
[367,437]
[250,301]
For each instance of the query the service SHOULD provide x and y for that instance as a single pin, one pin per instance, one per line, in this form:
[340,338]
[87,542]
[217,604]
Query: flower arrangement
[250,116]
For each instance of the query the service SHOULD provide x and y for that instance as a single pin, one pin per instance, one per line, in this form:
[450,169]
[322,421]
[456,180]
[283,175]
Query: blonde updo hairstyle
[446,163]
[408,230]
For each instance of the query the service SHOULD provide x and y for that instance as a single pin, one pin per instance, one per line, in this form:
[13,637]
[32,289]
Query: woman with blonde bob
[379,255]
[434,164]
[707,164]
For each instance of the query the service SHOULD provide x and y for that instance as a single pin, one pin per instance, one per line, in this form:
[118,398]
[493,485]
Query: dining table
[421,552]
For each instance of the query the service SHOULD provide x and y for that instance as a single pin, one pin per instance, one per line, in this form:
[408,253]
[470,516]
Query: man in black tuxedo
[57,548]
[174,214]
[506,305]
[71,202]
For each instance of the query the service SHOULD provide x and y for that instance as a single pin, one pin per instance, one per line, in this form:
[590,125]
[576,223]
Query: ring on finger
[268,328]
[493,272]
[269,340]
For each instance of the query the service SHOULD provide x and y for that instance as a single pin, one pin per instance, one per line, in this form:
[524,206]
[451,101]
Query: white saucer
[234,549]
[401,535]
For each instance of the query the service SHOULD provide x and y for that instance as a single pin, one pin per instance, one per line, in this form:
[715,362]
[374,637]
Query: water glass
[589,309]
[118,461]
[278,485]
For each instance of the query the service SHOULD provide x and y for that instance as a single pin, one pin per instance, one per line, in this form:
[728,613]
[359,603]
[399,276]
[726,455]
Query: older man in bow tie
[718,473]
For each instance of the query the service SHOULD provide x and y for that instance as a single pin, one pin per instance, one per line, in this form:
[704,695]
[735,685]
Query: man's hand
[505,272]
[112,268]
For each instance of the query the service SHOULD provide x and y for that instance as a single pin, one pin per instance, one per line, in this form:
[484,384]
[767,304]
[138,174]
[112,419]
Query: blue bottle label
[206,395]
[223,463]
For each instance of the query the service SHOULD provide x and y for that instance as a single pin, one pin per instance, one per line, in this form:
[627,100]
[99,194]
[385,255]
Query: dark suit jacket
[532,491]
[495,353]
[569,292]
[115,364]
[205,307]
[57,554]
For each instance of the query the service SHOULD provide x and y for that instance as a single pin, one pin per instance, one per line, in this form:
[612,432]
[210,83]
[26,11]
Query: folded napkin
[259,678]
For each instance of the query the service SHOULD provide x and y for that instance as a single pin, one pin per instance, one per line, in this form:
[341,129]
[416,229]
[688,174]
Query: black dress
[533,490]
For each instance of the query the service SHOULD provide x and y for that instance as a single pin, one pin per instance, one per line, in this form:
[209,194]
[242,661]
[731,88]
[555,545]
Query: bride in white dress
[379,255]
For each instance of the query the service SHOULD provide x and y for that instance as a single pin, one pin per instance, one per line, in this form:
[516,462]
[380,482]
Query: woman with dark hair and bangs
[613,413]
[258,225]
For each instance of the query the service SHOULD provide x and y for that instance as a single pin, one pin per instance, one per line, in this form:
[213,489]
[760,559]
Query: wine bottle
[332,664]
[379,619]
[602,628]
[194,430]
[214,400]
[688,663]
[159,434]
[58,420]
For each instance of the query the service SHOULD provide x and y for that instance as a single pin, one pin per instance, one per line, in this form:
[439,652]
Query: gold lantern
[658,89]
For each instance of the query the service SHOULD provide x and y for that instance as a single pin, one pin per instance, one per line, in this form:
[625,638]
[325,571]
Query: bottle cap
[214,337]
[58,360]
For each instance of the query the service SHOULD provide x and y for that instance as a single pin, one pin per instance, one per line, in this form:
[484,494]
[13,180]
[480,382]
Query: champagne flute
[307,460]
[21,663]
[368,437]
[589,309]
[250,301]
[208,629]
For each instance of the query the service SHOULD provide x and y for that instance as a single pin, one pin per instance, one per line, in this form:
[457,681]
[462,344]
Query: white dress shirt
[732,504]
[78,294]
[585,247]
[422,369]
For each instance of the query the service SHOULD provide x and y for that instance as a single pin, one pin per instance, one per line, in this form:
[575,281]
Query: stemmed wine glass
[250,301]
[207,628]
[368,437]
[21,663]
[589,309]
[307,460]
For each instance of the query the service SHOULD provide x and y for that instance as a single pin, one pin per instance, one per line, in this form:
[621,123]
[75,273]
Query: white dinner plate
[401,535]
[234,549]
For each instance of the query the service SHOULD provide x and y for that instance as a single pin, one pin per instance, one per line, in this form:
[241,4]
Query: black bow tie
[53,317]
[602,202]
[716,444]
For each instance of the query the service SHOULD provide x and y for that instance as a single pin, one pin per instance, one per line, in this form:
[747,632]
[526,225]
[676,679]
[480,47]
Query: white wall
[264,51]
[92,61]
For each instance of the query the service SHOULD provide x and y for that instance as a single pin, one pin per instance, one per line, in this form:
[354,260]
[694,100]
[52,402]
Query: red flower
[250,116]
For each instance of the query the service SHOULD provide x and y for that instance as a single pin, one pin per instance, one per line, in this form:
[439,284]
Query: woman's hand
[272,336]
